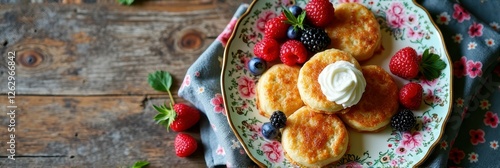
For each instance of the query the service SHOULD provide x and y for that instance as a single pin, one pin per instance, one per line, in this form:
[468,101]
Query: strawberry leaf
[165,116]
[431,65]
[140,164]
[160,81]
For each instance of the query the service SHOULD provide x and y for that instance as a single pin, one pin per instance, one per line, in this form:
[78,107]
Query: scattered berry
[257,66]
[267,49]
[319,12]
[293,33]
[276,28]
[295,10]
[315,39]
[269,131]
[278,119]
[410,96]
[180,117]
[292,52]
[404,63]
[404,120]
[185,145]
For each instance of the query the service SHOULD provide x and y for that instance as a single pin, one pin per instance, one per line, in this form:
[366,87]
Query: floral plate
[403,23]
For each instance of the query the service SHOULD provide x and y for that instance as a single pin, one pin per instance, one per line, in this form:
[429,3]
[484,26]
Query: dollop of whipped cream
[342,83]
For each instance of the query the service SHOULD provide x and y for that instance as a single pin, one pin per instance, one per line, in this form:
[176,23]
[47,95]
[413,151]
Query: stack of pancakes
[315,134]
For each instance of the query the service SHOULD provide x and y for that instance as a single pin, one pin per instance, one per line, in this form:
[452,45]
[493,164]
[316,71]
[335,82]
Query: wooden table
[81,78]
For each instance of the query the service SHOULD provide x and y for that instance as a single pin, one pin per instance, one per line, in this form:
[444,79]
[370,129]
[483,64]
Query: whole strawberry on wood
[178,117]
[185,145]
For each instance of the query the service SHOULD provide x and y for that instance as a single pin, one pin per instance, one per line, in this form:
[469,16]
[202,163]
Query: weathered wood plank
[90,131]
[103,50]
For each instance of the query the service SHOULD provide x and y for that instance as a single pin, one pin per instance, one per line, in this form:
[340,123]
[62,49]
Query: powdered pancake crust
[313,139]
[355,30]
[277,90]
[309,88]
[378,104]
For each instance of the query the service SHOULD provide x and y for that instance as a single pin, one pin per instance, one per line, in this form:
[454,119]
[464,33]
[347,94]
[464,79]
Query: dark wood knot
[30,58]
[192,40]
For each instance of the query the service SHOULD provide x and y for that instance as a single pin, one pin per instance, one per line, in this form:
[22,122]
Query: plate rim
[260,164]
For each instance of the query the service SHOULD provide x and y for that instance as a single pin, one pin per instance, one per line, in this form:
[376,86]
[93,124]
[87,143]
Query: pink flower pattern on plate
[412,140]
[460,13]
[273,151]
[246,87]
[261,21]
[395,15]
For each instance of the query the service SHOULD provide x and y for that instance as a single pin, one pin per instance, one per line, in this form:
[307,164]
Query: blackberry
[278,119]
[404,120]
[315,39]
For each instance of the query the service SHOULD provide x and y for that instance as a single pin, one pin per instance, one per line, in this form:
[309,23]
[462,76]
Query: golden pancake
[378,104]
[309,88]
[313,139]
[355,30]
[277,90]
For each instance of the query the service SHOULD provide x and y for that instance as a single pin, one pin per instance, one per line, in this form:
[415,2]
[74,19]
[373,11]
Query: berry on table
[269,131]
[410,95]
[278,119]
[404,120]
[257,66]
[319,12]
[267,49]
[185,145]
[292,52]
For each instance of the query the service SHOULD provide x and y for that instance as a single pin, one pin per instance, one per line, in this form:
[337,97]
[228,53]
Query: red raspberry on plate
[267,49]
[319,12]
[404,63]
[276,28]
[293,52]
[410,96]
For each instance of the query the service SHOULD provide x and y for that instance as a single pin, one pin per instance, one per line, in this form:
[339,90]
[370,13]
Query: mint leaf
[125,2]
[140,164]
[431,65]
[160,81]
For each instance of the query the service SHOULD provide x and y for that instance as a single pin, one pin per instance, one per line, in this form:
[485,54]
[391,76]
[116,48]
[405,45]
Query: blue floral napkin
[470,30]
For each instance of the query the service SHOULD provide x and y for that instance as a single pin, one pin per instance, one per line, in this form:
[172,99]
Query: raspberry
[293,52]
[404,120]
[410,95]
[267,49]
[278,119]
[276,28]
[319,12]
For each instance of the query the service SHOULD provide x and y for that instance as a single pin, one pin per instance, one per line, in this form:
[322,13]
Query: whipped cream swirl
[342,83]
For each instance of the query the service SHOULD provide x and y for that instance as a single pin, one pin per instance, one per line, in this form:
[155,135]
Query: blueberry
[257,66]
[296,10]
[269,131]
[293,33]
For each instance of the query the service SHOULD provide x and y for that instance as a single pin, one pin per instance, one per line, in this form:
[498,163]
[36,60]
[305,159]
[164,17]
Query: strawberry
[319,12]
[293,52]
[407,65]
[404,63]
[267,49]
[180,116]
[185,145]
[410,96]
[276,28]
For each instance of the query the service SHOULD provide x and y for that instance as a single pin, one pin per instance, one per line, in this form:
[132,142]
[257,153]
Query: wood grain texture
[91,131]
[81,69]
[100,50]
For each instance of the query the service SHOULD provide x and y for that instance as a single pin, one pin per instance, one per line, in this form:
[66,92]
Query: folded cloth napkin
[470,30]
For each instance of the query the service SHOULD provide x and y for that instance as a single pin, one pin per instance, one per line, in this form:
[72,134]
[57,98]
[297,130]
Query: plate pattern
[403,24]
